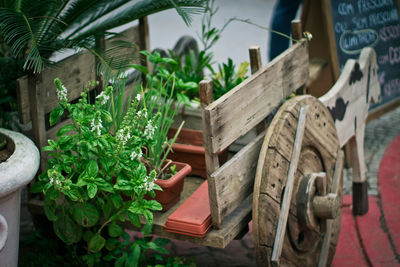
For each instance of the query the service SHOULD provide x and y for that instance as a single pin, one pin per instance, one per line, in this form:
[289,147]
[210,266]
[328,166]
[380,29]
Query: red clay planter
[188,148]
[193,217]
[172,188]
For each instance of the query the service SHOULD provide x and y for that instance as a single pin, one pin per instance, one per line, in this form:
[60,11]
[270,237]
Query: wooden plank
[38,120]
[297,30]
[268,222]
[329,28]
[242,108]
[255,65]
[23,100]
[130,50]
[234,180]
[74,71]
[317,65]
[52,132]
[283,217]
[255,59]
[337,177]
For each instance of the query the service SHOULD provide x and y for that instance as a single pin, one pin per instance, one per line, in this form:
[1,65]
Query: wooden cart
[288,180]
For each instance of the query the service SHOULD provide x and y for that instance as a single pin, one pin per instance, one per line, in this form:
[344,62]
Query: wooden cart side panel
[74,71]
[233,181]
[241,109]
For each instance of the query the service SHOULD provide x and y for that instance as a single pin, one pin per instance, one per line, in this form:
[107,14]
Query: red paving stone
[348,250]
[374,240]
[389,189]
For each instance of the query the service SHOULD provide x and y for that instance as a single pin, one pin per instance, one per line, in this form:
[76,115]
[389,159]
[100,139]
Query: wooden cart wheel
[298,187]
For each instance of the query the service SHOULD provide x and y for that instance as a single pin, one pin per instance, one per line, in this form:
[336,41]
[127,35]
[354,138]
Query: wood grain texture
[74,71]
[332,225]
[297,29]
[242,108]
[288,191]
[233,181]
[318,154]
[329,29]
[255,59]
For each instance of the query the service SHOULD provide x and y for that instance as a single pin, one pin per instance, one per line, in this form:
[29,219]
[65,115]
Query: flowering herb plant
[98,174]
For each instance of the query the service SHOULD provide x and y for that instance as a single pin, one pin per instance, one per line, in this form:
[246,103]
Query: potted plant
[19,162]
[169,174]
[188,147]
[97,176]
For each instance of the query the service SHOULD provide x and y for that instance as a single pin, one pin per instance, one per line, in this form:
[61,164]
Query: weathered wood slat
[74,71]
[242,108]
[52,132]
[234,180]
[287,197]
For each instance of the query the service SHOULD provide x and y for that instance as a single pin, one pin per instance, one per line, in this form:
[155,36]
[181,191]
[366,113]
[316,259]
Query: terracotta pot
[189,149]
[172,188]
[17,171]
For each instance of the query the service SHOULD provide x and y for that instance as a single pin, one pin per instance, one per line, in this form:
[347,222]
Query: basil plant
[96,178]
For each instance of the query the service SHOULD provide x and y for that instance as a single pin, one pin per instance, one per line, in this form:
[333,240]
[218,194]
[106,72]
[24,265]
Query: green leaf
[37,187]
[65,142]
[56,114]
[117,200]
[92,190]
[149,216]
[111,244]
[47,148]
[134,218]
[88,235]
[50,209]
[66,129]
[147,229]
[52,193]
[153,205]
[134,257]
[92,168]
[106,115]
[86,214]
[53,144]
[155,247]
[114,230]
[108,208]
[96,243]
[140,68]
[66,229]
[89,259]
[73,193]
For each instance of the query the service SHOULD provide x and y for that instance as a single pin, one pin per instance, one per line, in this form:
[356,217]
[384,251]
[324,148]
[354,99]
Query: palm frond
[132,11]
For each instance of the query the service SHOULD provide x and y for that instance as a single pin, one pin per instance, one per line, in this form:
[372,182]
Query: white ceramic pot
[15,173]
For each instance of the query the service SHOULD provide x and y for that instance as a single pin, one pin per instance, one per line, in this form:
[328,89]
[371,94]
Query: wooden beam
[245,106]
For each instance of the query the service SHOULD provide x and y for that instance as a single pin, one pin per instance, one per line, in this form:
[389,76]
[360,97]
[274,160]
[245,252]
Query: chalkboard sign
[373,23]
